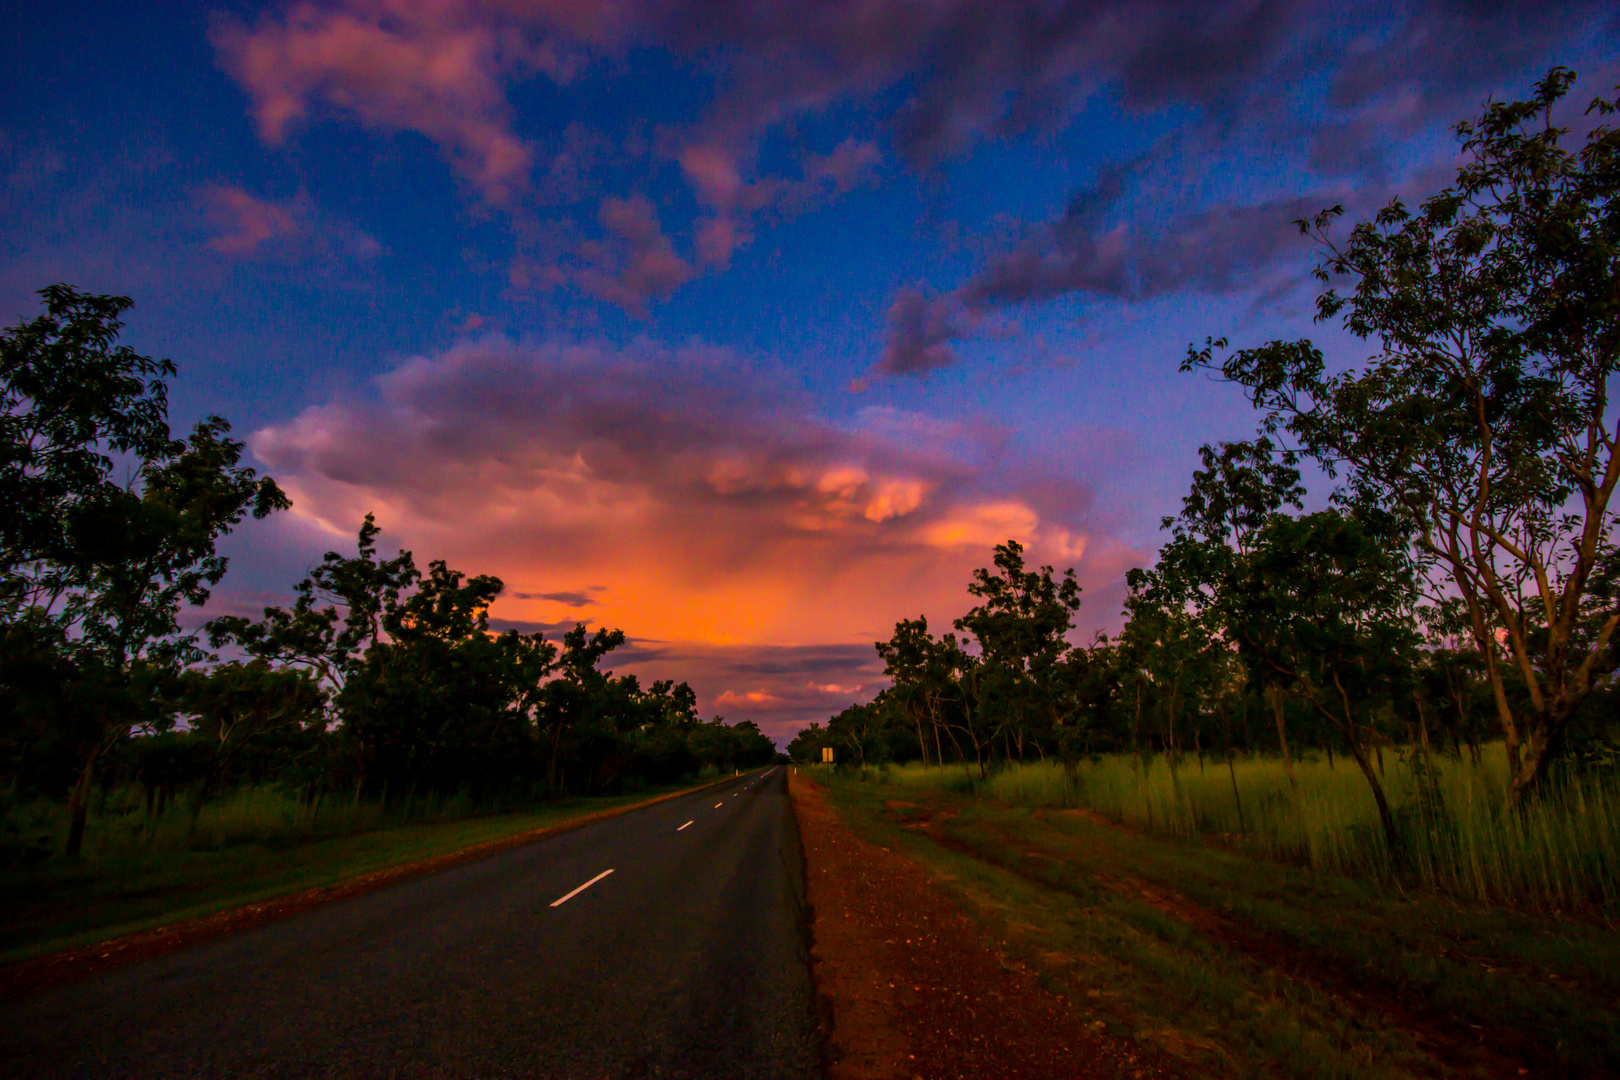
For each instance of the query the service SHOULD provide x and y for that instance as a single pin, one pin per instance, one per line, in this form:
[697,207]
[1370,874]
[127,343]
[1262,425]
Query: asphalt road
[668,942]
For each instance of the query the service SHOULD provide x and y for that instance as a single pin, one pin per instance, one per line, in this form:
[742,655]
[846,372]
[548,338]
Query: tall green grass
[1459,832]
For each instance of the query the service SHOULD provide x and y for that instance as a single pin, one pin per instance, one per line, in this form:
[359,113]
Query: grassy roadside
[1244,966]
[60,906]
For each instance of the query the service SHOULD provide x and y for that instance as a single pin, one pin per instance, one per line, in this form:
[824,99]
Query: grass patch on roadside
[1248,966]
[122,889]
[1461,834]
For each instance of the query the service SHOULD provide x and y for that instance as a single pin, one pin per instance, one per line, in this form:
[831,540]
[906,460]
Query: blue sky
[746,327]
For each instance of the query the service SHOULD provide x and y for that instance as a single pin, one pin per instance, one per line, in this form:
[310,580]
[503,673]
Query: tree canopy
[1483,420]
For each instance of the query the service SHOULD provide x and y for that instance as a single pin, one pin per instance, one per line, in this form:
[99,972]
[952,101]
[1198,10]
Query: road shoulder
[912,987]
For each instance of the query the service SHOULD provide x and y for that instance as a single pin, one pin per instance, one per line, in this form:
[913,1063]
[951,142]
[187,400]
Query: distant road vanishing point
[667,942]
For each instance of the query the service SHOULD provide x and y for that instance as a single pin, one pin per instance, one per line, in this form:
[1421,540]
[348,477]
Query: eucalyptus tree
[580,697]
[1020,626]
[234,706]
[425,695]
[1240,487]
[922,673]
[111,523]
[1483,418]
[1323,604]
[1174,643]
[72,400]
[336,614]
[1320,606]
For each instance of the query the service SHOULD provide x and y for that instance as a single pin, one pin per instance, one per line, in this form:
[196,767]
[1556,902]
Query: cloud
[1220,250]
[245,223]
[929,81]
[711,506]
[920,331]
[715,176]
[966,71]
[1086,252]
[291,230]
[573,599]
[441,67]
[637,262]
[437,69]
[946,74]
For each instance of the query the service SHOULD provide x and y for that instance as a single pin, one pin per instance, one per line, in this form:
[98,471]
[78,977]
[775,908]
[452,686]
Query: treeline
[1461,582]
[382,680]
[1008,685]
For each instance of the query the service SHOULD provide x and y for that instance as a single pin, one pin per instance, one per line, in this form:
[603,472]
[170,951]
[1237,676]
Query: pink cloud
[715,176]
[441,67]
[717,238]
[639,262]
[291,230]
[969,71]
[434,68]
[246,224]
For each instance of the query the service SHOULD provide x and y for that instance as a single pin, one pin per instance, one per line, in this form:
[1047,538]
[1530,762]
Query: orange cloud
[706,514]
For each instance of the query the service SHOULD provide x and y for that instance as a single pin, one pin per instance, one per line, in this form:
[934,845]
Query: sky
[747,327]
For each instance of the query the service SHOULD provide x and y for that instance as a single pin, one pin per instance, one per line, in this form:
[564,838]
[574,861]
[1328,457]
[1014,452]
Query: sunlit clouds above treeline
[653,489]
[749,328]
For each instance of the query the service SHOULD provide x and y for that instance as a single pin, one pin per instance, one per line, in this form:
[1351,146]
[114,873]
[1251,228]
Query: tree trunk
[1392,838]
[1136,727]
[79,803]
[1243,827]
[1538,752]
[551,769]
[960,754]
[1170,723]
[1275,696]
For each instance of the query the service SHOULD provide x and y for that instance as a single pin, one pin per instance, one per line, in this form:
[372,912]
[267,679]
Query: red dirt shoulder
[913,989]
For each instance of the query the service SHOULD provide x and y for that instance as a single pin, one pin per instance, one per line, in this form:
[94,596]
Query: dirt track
[912,988]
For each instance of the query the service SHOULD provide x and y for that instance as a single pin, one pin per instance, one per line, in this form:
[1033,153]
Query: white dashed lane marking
[683,826]
[561,900]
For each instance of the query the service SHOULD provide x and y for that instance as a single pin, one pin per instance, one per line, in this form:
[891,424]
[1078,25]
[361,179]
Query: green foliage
[114,528]
[1482,422]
